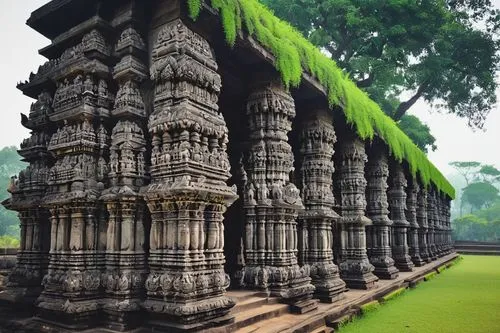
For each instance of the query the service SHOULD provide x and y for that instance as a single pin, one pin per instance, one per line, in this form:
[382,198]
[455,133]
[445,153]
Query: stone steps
[269,319]
[251,308]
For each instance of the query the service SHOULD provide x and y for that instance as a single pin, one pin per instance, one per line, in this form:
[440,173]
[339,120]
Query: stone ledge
[332,314]
[281,320]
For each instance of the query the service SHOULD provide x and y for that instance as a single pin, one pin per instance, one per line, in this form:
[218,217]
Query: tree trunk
[405,106]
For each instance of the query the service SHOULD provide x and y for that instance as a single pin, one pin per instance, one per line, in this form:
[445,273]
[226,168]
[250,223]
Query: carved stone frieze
[81,95]
[129,41]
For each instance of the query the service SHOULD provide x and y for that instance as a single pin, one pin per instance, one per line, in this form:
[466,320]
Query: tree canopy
[445,52]
[419,132]
[480,195]
[467,169]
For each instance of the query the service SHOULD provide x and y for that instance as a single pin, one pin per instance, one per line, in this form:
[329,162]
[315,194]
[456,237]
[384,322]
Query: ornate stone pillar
[317,137]
[449,241]
[27,190]
[431,205]
[355,268]
[126,263]
[423,225]
[397,206]
[188,194]
[378,234]
[439,225]
[272,202]
[411,216]
[24,282]
[82,104]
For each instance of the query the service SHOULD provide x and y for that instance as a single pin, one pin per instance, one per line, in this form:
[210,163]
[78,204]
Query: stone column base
[191,317]
[357,274]
[21,299]
[123,316]
[404,263]
[417,260]
[76,315]
[384,268]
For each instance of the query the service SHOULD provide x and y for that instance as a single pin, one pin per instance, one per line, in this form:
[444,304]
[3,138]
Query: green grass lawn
[464,298]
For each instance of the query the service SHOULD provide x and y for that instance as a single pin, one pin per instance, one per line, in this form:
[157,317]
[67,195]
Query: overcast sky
[19,56]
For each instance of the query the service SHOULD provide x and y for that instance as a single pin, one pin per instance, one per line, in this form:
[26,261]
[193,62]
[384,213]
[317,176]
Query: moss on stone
[369,307]
[430,276]
[394,294]
[294,55]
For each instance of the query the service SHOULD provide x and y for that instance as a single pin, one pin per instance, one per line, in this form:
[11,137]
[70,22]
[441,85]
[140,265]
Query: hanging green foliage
[294,55]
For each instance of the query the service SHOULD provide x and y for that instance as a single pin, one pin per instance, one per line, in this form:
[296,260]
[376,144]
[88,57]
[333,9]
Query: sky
[19,56]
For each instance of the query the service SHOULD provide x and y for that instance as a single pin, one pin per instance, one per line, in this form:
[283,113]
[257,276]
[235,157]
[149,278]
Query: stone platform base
[256,313]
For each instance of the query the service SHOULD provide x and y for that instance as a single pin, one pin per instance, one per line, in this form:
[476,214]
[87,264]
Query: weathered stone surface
[411,217]
[423,225]
[397,206]
[431,220]
[378,234]
[315,222]
[355,268]
[123,206]
[188,194]
[271,201]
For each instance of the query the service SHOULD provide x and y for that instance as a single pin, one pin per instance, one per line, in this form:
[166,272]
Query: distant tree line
[479,203]
[10,165]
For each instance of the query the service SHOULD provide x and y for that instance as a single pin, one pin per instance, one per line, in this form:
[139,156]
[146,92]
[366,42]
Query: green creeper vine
[295,55]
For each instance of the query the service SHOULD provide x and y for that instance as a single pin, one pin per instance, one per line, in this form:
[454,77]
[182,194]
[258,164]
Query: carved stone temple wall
[142,121]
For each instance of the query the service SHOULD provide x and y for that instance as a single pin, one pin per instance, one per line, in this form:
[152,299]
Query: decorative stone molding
[423,225]
[317,138]
[379,234]
[355,268]
[431,220]
[271,202]
[188,194]
[411,216]
[397,206]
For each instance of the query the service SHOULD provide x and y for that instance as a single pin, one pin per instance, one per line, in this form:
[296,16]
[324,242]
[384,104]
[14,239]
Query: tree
[470,227]
[442,51]
[9,242]
[419,132]
[489,174]
[467,169]
[10,165]
[480,195]
[483,225]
